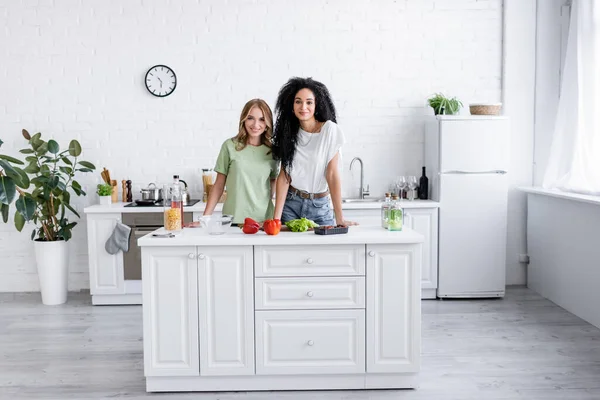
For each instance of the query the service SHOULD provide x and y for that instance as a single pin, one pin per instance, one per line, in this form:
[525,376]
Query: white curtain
[574,163]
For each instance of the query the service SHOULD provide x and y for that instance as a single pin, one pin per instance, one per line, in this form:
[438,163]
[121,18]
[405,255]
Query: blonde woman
[245,165]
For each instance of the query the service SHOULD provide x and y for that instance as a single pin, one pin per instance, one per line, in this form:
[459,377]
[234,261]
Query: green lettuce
[300,225]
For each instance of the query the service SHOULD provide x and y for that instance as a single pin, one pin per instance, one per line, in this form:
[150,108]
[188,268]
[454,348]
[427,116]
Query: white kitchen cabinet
[393,308]
[332,260]
[310,293]
[226,310]
[423,220]
[170,285]
[106,270]
[310,342]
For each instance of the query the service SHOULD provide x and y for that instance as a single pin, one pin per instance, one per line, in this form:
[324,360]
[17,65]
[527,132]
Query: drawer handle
[310,343]
[371,253]
[191,256]
[310,261]
[201,256]
[309,294]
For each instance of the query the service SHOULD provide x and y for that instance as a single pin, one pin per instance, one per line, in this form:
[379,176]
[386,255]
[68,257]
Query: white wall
[75,69]
[518,97]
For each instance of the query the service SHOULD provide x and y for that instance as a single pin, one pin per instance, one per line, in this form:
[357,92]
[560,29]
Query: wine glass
[400,185]
[412,185]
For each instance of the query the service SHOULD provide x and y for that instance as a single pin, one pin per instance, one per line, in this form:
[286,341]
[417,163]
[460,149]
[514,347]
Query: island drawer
[329,260]
[309,293]
[310,342]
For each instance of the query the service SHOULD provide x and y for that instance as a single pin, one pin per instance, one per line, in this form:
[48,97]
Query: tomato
[272,226]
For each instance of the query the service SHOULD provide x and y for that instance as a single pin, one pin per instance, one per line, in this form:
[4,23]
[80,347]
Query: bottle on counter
[173,204]
[385,211]
[396,215]
[423,186]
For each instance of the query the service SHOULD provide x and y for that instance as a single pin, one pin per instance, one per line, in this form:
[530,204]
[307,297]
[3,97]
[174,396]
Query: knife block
[115,192]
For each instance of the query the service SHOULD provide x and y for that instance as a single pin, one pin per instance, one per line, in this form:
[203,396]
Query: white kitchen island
[288,312]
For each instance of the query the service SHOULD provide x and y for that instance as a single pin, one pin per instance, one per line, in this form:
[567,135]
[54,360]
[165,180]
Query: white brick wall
[75,69]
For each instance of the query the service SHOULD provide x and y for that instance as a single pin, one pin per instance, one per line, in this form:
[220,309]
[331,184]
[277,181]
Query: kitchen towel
[119,240]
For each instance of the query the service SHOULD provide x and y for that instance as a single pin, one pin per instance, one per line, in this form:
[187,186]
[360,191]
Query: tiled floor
[520,347]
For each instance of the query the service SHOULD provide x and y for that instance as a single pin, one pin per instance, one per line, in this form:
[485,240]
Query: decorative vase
[105,200]
[52,260]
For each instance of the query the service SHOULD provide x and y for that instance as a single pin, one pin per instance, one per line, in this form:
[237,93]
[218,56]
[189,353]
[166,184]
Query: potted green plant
[41,195]
[104,191]
[444,106]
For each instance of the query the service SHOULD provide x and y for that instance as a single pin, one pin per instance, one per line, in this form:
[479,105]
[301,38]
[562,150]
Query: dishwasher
[141,224]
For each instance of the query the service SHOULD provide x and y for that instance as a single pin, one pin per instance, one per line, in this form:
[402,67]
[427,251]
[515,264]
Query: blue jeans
[317,210]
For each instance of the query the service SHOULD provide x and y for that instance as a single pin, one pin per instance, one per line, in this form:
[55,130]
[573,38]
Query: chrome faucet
[361,191]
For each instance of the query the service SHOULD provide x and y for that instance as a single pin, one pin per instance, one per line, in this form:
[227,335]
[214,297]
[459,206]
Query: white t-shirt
[313,153]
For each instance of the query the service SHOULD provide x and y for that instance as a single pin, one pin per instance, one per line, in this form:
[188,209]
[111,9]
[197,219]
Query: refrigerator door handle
[454,172]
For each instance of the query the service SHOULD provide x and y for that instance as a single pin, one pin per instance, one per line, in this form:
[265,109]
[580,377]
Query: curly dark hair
[285,135]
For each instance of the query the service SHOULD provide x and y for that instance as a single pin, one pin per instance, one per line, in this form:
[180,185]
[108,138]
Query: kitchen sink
[373,200]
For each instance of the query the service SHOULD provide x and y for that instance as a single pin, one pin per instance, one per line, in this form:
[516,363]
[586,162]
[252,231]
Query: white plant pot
[105,200]
[52,259]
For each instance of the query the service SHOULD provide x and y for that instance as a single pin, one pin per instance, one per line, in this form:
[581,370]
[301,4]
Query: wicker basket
[485,109]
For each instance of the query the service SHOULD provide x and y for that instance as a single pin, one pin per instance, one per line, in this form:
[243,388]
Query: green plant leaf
[53,146]
[8,190]
[74,148]
[66,170]
[21,178]
[72,209]
[66,161]
[8,169]
[42,149]
[26,151]
[4,209]
[26,206]
[32,168]
[26,134]
[87,164]
[85,170]
[33,234]
[65,197]
[1,142]
[19,221]
[11,159]
[76,185]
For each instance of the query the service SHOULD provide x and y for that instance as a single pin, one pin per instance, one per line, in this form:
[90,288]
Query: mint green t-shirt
[249,173]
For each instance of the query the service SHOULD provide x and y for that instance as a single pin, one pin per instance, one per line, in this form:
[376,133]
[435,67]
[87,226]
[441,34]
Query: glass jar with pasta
[173,213]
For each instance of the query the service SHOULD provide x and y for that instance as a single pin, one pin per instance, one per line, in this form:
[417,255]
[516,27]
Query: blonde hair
[265,138]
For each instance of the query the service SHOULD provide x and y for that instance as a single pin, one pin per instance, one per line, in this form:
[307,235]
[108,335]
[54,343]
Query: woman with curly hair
[246,166]
[307,142]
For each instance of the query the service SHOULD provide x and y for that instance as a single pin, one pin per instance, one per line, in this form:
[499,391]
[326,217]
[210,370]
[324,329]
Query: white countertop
[235,237]
[562,195]
[199,207]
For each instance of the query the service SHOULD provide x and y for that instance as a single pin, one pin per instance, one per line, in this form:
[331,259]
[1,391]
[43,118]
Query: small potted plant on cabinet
[444,106]
[104,192]
[44,201]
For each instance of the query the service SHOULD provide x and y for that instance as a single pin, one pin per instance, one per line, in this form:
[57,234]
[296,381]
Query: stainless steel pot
[151,193]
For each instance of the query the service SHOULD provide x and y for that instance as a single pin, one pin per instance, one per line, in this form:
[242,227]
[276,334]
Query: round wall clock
[161,80]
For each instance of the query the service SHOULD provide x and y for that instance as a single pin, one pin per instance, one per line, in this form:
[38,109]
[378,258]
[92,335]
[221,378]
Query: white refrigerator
[467,160]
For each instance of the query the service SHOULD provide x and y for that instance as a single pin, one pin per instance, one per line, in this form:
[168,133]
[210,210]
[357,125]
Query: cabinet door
[170,293]
[226,287]
[310,342]
[393,308]
[425,221]
[106,270]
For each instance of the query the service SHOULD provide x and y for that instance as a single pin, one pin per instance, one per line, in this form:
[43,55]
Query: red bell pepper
[250,226]
[272,226]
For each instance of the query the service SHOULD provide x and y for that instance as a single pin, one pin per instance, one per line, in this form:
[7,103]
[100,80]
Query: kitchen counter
[199,207]
[295,311]
[235,237]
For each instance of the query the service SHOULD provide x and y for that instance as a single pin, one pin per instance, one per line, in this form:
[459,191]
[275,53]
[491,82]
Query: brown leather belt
[305,195]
